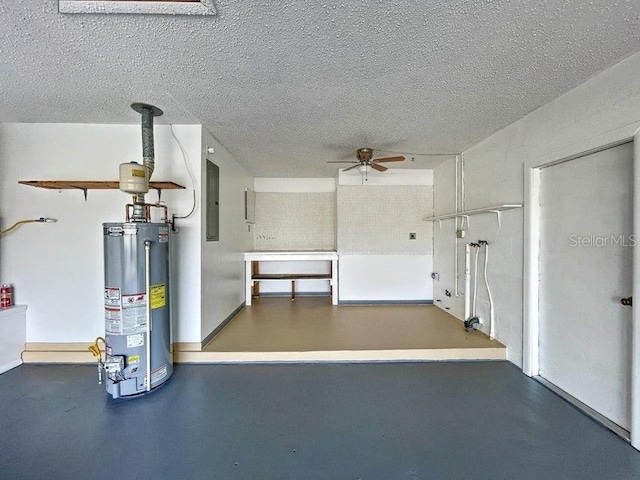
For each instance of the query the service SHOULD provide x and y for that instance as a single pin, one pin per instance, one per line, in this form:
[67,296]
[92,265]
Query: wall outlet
[412,236]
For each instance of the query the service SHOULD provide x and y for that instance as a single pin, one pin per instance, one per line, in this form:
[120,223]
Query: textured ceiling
[287,85]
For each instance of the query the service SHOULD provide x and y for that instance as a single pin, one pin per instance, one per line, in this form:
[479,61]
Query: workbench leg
[248,282]
[334,282]
[255,269]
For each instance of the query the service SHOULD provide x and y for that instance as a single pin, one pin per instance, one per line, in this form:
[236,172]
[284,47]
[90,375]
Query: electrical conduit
[486,282]
[475,279]
[467,282]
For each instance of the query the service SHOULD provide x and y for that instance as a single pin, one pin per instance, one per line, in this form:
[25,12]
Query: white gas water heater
[137,314]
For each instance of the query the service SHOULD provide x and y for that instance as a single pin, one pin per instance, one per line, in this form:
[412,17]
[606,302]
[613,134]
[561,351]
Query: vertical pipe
[475,280]
[455,252]
[147,274]
[467,282]
[457,192]
[463,193]
[486,282]
[148,151]
[148,156]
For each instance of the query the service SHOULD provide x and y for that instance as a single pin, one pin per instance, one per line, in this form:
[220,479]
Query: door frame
[531,274]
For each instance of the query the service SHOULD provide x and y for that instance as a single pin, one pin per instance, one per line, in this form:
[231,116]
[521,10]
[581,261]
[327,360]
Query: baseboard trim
[51,355]
[58,347]
[219,328]
[77,352]
[8,366]
[187,346]
[586,409]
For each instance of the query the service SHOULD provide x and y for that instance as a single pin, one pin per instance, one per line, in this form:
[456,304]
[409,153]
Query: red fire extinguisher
[5,296]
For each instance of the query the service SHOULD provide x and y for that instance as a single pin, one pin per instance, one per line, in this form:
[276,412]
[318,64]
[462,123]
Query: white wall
[393,176]
[222,261]
[57,269]
[294,185]
[378,261]
[295,221]
[444,242]
[602,110]
[380,278]
[377,219]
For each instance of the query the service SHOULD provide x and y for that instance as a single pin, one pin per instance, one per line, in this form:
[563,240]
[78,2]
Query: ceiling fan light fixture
[364,169]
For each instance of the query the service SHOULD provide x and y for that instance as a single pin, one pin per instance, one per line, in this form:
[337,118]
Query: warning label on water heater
[111,296]
[158,296]
[163,235]
[113,320]
[134,314]
[112,311]
[136,340]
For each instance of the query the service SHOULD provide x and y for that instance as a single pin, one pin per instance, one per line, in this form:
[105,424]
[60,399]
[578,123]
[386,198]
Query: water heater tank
[137,309]
[134,178]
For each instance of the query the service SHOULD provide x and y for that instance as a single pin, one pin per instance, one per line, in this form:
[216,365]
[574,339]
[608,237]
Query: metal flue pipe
[148,155]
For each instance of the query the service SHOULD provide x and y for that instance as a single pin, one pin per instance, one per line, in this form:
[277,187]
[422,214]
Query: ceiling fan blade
[342,161]
[351,168]
[389,159]
[379,168]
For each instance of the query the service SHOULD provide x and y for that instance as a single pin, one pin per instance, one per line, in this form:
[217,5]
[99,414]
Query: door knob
[627,302]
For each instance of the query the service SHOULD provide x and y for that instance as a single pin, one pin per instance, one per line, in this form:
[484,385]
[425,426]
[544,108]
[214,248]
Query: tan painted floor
[312,324]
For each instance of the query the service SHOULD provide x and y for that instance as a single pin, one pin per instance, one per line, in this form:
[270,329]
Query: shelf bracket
[498,217]
[84,192]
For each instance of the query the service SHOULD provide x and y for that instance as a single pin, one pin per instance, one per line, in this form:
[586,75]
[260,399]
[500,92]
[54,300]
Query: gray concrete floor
[350,421]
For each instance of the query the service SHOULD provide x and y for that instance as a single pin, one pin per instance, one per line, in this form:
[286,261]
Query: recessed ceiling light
[144,7]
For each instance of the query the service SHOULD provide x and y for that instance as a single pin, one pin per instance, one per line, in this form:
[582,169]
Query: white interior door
[585,268]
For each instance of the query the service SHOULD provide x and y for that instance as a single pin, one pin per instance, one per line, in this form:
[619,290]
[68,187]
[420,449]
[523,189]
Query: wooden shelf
[292,277]
[92,185]
[85,185]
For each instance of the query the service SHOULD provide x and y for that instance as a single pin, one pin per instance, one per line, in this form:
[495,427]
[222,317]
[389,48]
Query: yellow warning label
[133,359]
[158,296]
[138,173]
